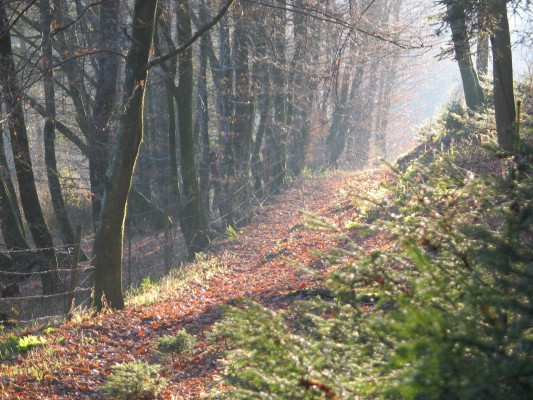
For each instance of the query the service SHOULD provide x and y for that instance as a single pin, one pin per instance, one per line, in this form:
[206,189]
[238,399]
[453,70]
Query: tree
[31,206]
[502,70]
[192,217]
[457,18]
[10,217]
[104,100]
[49,129]
[109,237]
[461,14]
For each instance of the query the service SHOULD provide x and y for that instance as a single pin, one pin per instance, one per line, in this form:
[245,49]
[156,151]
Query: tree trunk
[54,186]
[221,164]
[192,221]
[226,139]
[474,96]
[262,84]
[243,107]
[73,70]
[387,80]
[10,219]
[21,155]
[104,100]
[203,128]
[279,128]
[109,237]
[482,54]
[339,121]
[299,94]
[482,49]
[502,69]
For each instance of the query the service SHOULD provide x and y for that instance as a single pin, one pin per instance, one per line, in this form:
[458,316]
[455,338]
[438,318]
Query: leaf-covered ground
[258,263]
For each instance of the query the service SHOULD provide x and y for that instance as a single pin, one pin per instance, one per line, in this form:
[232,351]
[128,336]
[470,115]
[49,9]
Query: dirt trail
[255,266]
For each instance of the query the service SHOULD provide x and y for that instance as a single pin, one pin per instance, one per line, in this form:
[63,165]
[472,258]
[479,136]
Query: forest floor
[258,263]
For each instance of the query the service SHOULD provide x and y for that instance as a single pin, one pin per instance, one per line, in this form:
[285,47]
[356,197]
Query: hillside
[257,263]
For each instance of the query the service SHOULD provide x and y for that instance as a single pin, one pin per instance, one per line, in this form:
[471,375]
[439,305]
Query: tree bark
[278,129]
[226,138]
[21,154]
[104,100]
[49,131]
[299,96]
[203,129]
[243,107]
[482,48]
[502,69]
[10,218]
[339,123]
[262,85]
[474,96]
[482,54]
[109,237]
[192,221]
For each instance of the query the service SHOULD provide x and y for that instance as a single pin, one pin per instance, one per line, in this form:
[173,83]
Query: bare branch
[191,40]
[323,16]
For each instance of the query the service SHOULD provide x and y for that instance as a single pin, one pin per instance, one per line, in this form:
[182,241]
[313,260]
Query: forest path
[257,263]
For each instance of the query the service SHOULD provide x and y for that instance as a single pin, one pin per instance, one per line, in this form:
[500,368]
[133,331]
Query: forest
[266,199]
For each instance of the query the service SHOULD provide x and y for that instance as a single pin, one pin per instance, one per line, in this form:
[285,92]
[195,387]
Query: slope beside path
[258,263]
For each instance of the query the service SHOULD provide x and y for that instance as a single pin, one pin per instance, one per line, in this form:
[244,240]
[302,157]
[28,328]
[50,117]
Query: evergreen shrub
[176,345]
[444,312]
[134,380]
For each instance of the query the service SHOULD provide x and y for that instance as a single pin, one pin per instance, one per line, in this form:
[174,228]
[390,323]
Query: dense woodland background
[193,201]
[178,119]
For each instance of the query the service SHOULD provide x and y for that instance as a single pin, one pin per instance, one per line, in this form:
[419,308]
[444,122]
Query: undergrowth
[12,344]
[175,346]
[199,271]
[134,380]
[444,312]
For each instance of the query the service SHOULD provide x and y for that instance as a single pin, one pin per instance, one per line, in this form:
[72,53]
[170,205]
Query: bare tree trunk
[243,114]
[104,100]
[109,237]
[262,84]
[226,138]
[474,96]
[279,128]
[203,129]
[54,186]
[482,54]
[73,70]
[10,218]
[482,50]
[299,96]
[21,155]
[502,69]
[192,221]
[387,81]
[339,122]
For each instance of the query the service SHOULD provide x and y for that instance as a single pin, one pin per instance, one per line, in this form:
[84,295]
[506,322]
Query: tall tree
[502,69]
[226,137]
[10,218]
[109,237]
[243,108]
[457,18]
[192,218]
[202,128]
[49,131]
[278,129]
[29,197]
[482,48]
[104,100]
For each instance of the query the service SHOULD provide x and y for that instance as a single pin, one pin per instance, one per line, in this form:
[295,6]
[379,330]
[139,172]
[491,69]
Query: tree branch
[191,40]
